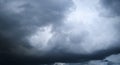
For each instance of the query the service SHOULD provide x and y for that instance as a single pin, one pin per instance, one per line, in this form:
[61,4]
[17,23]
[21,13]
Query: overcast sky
[51,31]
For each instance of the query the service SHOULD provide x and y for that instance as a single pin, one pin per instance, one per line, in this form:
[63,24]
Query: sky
[65,32]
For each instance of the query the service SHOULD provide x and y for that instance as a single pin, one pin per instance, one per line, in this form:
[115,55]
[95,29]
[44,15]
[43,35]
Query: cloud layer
[58,31]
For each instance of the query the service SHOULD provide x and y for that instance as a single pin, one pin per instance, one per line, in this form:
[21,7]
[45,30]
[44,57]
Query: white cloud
[41,38]
[84,30]
[85,22]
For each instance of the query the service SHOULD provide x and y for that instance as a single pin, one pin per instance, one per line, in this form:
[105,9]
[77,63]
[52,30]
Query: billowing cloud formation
[58,31]
[85,31]
[20,19]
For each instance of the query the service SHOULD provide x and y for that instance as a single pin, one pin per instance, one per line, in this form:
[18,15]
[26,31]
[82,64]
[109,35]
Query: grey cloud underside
[16,25]
[112,6]
[20,20]
[110,60]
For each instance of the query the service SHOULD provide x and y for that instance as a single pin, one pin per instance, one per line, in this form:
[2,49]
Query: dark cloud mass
[113,6]
[19,19]
[34,32]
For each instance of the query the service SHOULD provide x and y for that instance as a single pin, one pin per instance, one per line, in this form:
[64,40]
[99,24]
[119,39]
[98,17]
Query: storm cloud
[20,19]
[42,31]
[112,6]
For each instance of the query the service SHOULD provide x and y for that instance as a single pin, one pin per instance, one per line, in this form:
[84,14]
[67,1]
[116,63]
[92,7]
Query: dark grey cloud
[112,6]
[113,58]
[42,31]
[19,19]
[110,60]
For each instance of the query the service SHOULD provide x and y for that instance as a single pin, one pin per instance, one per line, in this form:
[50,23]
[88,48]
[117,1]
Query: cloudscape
[59,32]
